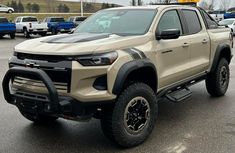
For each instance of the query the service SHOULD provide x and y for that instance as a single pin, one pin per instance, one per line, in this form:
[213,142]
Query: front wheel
[131,120]
[54,31]
[218,81]
[43,34]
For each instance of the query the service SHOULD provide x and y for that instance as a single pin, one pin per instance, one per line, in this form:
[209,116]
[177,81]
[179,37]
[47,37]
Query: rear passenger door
[172,55]
[199,41]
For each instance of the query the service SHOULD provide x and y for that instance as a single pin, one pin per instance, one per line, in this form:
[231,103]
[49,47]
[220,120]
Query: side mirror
[168,34]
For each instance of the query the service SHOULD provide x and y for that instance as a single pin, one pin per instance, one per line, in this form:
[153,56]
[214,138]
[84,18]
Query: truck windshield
[121,22]
[29,19]
[3,20]
[57,20]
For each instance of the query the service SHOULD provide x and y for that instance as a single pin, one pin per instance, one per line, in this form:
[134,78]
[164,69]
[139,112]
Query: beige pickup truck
[117,65]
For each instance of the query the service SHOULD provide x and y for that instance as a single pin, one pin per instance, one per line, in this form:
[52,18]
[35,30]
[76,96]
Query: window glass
[29,19]
[121,22]
[192,20]
[169,20]
[57,20]
[210,22]
[3,20]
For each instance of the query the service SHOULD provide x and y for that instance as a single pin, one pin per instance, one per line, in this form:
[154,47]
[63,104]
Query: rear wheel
[218,81]
[54,31]
[43,34]
[131,120]
[26,33]
[12,35]
[10,11]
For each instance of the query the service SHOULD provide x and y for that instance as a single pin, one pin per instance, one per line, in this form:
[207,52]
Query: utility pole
[81,7]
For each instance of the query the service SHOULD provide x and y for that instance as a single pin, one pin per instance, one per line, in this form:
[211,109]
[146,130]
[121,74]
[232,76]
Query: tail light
[30,25]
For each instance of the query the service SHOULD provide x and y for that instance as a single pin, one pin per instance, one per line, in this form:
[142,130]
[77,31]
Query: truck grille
[21,82]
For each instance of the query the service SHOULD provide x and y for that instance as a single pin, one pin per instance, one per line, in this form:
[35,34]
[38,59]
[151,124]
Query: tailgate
[39,25]
[7,27]
[66,25]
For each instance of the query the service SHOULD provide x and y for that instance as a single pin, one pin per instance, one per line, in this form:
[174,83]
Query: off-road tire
[12,35]
[39,118]
[218,81]
[112,120]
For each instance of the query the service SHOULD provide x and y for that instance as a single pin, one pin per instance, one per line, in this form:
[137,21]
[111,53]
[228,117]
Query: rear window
[80,18]
[29,19]
[57,19]
[192,20]
[3,20]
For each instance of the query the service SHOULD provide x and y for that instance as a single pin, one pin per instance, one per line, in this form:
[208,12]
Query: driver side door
[172,55]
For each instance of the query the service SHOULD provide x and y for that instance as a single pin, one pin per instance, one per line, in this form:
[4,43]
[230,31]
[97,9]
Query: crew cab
[29,25]
[6,9]
[58,24]
[77,20]
[7,28]
[119,69]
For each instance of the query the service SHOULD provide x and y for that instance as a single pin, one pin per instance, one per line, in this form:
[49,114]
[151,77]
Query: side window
[169,20]
[192,20]
[211,24]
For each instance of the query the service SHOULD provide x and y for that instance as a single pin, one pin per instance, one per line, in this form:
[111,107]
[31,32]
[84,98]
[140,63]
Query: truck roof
[150,7]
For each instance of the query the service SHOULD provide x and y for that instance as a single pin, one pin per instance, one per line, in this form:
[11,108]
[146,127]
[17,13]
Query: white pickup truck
[30,25]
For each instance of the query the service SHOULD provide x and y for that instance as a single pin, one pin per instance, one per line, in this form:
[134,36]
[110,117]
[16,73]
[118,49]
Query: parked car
[77,19]
[30,25]
[120,73]
[7,28]
[217,15]
[6,9]
[58,24]
[230,23]
[229,15]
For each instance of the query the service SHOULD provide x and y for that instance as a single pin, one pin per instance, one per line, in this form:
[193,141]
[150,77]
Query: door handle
[204,41]
[185,45]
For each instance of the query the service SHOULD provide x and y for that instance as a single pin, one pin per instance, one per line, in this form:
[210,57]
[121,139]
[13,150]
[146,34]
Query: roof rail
[186,3]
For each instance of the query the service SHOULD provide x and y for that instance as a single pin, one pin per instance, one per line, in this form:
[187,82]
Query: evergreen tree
[35,8]
[29,7]
[20,7]
[66,9]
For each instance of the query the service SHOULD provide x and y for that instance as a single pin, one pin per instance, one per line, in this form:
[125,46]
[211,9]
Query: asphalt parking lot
[200,124]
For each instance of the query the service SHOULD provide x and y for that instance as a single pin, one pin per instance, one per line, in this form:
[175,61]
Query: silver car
[6,9]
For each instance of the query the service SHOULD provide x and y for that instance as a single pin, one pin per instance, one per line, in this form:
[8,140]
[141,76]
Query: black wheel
[131,120]
[26,33]
[54,31]
[12,35]
[10,11]
[218,81]
[38,118]
[43,34]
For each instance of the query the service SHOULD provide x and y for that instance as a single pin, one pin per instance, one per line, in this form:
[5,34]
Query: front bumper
[51,103]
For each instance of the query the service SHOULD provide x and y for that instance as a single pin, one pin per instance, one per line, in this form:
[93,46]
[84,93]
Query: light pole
[81,7]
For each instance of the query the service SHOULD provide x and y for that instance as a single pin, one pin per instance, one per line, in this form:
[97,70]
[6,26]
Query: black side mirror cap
[168,34]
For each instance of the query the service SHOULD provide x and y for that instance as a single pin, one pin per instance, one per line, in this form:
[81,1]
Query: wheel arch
[138,70]
[222,51]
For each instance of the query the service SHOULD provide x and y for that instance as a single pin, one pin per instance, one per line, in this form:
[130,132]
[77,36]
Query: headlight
[98,59]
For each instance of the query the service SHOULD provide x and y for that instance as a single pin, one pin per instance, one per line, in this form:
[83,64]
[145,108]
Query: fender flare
[126,69]
[218,52]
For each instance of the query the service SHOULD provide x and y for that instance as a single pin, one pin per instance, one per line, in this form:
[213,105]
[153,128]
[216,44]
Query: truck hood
[80,44]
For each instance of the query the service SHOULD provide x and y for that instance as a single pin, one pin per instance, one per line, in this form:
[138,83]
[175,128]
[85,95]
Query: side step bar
[179,95]
[180,91]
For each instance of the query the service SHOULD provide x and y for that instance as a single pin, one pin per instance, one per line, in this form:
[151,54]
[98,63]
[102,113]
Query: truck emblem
[32,65]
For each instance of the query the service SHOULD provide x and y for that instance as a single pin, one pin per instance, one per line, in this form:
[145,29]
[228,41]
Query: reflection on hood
[75,38]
